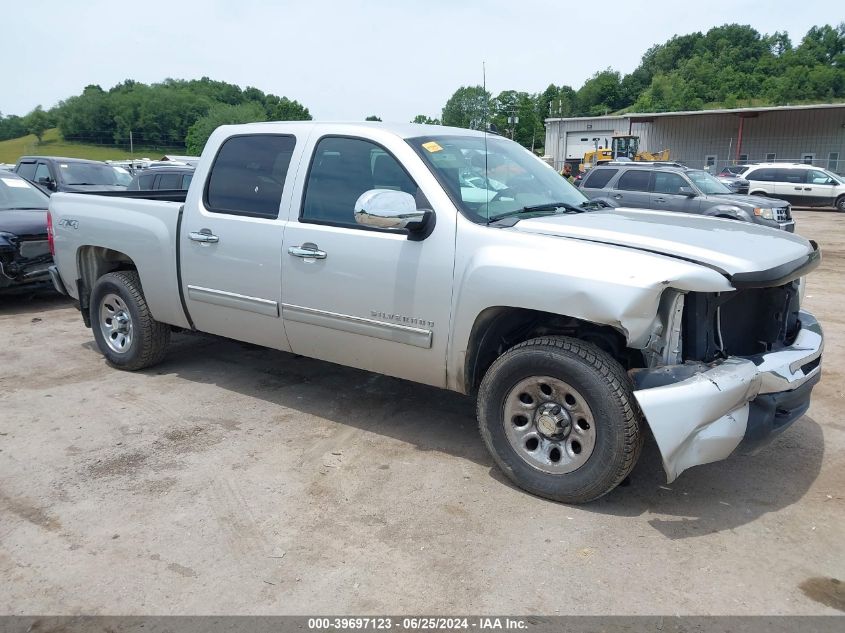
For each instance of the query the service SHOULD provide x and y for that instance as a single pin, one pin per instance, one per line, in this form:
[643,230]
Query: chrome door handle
[797,188]
[205,236]
[618,196]
[808,188]
[660,199]
[307,251]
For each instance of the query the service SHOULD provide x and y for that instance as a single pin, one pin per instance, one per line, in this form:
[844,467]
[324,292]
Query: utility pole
[131,144]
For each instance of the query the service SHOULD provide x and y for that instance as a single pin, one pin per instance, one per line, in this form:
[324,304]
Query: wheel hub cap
[553,421]
[549,424]
[116,323]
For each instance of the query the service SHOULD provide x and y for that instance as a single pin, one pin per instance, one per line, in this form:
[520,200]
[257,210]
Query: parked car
[798,183]
[24,250]
[737,184]
[71,175]
[733,170]
[162,178]
[572,324]
[668,187]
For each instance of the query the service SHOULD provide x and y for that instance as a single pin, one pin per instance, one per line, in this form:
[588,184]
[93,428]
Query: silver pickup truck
[458,259]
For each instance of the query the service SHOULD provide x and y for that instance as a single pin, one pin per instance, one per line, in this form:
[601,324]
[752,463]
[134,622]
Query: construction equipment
[621,146]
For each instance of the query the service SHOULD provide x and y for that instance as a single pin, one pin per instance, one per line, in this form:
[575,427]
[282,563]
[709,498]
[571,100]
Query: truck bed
[144,230]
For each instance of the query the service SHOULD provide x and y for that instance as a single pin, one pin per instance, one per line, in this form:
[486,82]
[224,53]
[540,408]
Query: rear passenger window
[790,175]
[634,180]
[341,170]
[27,170]
[145,182]
[248,175]
[598,178]
[761,175]
[169,181]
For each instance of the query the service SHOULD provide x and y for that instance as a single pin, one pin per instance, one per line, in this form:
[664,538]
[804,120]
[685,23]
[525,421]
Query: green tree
[425,120]
[373,117]
[221,114]
[37,122]
[468,107]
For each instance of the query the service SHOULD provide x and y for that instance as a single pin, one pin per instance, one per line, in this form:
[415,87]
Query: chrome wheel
[116,323]
[549,425]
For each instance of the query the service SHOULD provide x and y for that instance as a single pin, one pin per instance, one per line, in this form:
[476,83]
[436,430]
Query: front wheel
[559,418]
[840,203]
[124,329]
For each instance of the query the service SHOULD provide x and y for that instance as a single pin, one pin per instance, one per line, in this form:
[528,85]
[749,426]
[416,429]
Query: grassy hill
[53,145]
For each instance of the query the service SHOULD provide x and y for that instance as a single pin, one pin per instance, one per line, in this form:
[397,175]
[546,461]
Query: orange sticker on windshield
[431,146]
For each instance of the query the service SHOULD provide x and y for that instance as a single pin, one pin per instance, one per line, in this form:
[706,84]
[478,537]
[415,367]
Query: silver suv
[673,187]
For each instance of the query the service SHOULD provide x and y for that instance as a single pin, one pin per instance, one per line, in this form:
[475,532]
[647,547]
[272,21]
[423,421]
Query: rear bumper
[701,413]
[58,284]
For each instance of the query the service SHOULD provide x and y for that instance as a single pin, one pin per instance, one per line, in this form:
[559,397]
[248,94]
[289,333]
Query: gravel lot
[237,480]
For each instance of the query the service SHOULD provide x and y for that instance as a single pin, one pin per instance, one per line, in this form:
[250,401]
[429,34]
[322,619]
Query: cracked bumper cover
[701,413]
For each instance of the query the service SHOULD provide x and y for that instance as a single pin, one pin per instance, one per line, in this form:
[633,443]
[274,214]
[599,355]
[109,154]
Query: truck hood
[24,222]
[729,246]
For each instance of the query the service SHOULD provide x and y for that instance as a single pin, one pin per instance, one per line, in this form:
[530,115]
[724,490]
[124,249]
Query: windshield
[88,174]
[707,183]
[17,193]
[488,180]
[123,176]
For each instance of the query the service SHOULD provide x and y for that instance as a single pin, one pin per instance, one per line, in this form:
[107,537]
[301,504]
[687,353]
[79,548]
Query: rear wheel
[559,418]
[124,329]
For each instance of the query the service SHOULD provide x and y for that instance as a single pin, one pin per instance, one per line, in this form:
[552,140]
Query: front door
[820,189]
[231,239]
[666,194]
[366,298]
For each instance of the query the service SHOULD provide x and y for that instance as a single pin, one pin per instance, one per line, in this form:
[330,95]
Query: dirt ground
[237,480]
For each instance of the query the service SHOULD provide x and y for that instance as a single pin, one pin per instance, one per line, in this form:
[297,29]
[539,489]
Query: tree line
[728,66]
[172,114]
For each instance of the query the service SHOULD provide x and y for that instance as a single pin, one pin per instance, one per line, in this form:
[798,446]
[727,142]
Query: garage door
[579,142]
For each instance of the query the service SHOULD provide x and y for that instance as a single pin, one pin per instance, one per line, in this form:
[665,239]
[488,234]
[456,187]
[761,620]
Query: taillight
[50,241]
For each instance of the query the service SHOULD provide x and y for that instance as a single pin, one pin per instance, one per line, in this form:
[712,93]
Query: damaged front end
[727,370]
[23,260]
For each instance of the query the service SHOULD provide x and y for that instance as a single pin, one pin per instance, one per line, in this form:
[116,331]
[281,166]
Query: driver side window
[818,178]
[341,170]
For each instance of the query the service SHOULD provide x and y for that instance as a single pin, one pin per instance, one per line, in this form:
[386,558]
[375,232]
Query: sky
[347,59]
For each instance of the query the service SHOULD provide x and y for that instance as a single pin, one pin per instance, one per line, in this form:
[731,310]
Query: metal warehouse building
[714,138]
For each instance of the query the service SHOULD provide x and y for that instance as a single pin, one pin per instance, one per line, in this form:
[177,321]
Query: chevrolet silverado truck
[458,259]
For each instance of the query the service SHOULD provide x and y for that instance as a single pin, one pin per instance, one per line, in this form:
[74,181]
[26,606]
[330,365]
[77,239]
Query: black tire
[149,339]
[606,389]
[840,203]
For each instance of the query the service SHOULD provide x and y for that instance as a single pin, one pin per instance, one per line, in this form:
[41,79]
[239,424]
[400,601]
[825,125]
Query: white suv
[802,185]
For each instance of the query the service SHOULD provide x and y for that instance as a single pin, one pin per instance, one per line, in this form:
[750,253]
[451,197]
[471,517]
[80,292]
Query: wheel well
[92,263]
[757,192]
[498,329]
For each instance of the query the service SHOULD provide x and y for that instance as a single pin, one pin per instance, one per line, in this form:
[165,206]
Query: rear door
[632,189]
[791,185]
[230,242]
[666,193]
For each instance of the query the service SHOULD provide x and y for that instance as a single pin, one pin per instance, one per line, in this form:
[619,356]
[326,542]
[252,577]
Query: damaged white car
[574,326]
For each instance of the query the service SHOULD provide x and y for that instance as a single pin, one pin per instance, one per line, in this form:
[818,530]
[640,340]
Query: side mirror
[389,209]
[47,182]
[686,191]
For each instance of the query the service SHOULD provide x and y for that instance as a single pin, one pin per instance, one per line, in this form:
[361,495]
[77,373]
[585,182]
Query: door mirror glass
[686,191]
[390,209]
